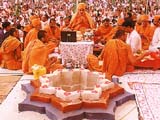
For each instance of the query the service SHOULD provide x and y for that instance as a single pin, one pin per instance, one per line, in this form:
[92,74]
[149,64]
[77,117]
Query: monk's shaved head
[41,34]
[118,34]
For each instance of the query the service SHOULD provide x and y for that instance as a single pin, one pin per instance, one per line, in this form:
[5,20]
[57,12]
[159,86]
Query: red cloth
[154,64]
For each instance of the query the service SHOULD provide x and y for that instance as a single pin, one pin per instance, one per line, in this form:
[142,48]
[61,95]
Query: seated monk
[117,56]
[32,34]
[29,26]
[53,35]
[155,43]
[102,31]
[93,63]
[66,23]
[26,29]
[114,29]
[36,52]
[81,20]
[11,51]
[146,31]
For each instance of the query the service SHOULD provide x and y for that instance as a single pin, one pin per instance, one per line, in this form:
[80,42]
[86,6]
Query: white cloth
[21,35]
[134,40]
[44,24]
[155,40]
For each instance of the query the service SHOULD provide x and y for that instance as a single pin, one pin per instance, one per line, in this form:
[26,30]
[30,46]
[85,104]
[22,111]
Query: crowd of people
[28,34]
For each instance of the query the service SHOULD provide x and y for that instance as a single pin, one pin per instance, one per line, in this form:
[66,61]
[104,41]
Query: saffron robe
[31,35]
[93,63]
[81,22]
[36,52]
[146,34]
[53,38]
[115,58]
[101,33]
[11,53]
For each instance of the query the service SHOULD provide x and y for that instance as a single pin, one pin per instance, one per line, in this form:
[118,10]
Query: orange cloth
[156,17]
[64,27]
[146,33]
[120,21]
[50,46]
[137,27]
[93,63]
[115,58]
[27,28]
[36,22]
[0,57]
[11,53]
[32,17]
[81,22]
[138,24]
[154,63]
[144,18]
[111,34]
[101,33]
[36,53]
[31,35]
[53,35]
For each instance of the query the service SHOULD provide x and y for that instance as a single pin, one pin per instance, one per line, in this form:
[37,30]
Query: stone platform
[55,114]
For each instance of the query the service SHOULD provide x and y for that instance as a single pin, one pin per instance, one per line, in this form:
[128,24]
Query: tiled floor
[7,83]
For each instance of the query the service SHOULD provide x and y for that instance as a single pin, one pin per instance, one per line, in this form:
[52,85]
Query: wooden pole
[147,7]
[157,3]
[76,3]
[130,5]
[113,2]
